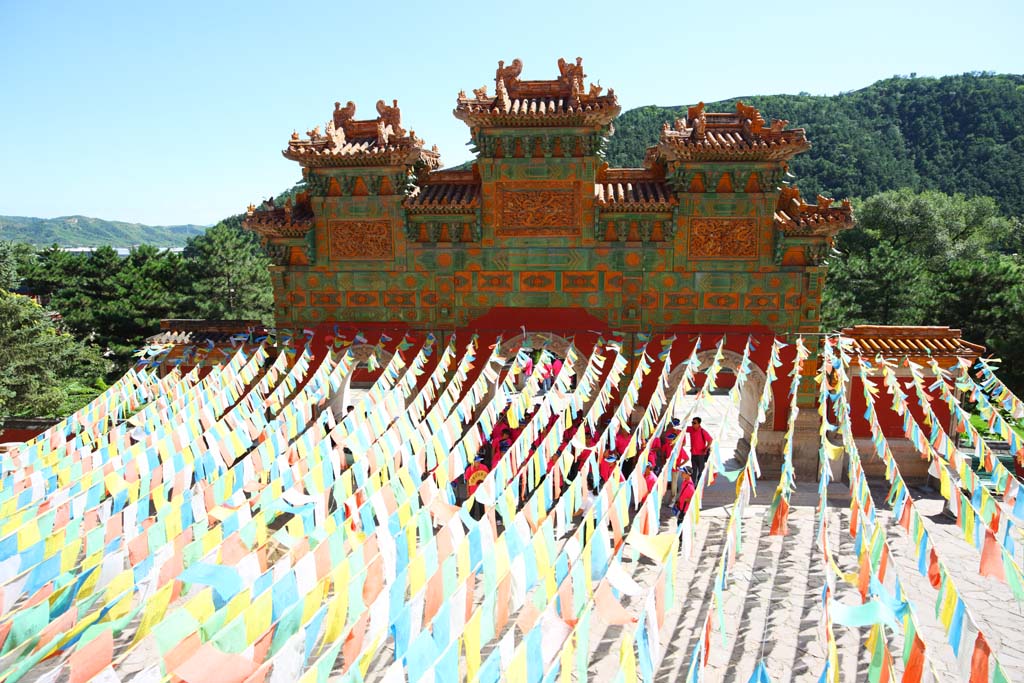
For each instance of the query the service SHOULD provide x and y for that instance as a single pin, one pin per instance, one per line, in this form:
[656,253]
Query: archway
[537,340]
[359,379]
[749,396]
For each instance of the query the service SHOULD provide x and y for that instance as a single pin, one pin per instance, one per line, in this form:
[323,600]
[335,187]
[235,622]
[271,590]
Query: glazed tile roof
[794,216]
[281,221]
[869,340]
[446,192]
[743,135]
[369,142]
[632,190]
[516,102]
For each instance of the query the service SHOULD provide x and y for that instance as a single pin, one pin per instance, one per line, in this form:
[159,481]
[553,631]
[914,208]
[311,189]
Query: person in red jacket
[700,447]
[686,491]
[475,475]
[607,467]
[650,478]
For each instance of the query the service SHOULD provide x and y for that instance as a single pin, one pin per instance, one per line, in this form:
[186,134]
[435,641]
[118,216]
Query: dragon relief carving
[723,239]
[365,240]
[538,212]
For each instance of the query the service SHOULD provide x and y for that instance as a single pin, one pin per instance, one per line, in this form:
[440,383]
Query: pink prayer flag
[229,668]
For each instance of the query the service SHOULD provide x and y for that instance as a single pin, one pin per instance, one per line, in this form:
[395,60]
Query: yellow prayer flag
[122,584]
[212,538]
[257,620]
[201,605]
[567,658]
[417,573]
[948,604]
[28,535]
[153,612]
[654,547]
[627,658]
[471,643]
[237,605]
[312,602]
[338,606]
[517,667]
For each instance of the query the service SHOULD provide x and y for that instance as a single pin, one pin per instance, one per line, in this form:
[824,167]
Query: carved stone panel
[360,240]
[538,211]
[723,239]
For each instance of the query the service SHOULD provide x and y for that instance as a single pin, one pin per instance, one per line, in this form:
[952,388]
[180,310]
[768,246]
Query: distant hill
[954,134]
[82,231]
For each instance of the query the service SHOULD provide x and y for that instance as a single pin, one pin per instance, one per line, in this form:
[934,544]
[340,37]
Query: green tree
[40,366]
[882,287]
[112,301]
[985,298]
[230,275]
[9,278]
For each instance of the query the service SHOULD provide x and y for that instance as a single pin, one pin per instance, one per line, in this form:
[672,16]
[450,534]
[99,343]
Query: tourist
[503,446]
[621,441]
[700,446]
[475,475]
[547,377]
[650,478]
[668,444]
[607,467]
[499,429]
[654,451]
[686,491]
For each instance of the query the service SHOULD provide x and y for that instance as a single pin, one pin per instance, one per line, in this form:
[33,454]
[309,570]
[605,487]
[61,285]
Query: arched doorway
[719,407]
[360,379]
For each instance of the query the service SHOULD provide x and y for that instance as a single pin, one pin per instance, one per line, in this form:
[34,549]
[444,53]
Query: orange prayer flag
[434,596]
[374,581]
[181,652]
[610,609]
[864,576]
[233,549]
[262,647]
[992,558]
[354,641]
[528,617]
[565,600]
[934,575]
[979,660]
[779,525]
[501,606]
[93,657]
[138,548]
[914,669]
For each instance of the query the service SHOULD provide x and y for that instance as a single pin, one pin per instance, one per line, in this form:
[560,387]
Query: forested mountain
[82,231]
[954,134]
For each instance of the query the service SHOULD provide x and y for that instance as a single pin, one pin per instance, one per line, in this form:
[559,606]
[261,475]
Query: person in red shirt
[621,441]
[650,478]
[700,447]
[686,491]
[656,449]
[475,475]
[503,446]
[607,467]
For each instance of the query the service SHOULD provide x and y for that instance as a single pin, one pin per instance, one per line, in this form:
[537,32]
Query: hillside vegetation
[953,134]
[83,231]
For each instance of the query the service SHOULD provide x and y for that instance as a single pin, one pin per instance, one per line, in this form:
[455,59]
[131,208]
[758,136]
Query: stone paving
[772,606]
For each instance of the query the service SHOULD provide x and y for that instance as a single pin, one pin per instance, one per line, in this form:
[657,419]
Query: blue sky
[168,113]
